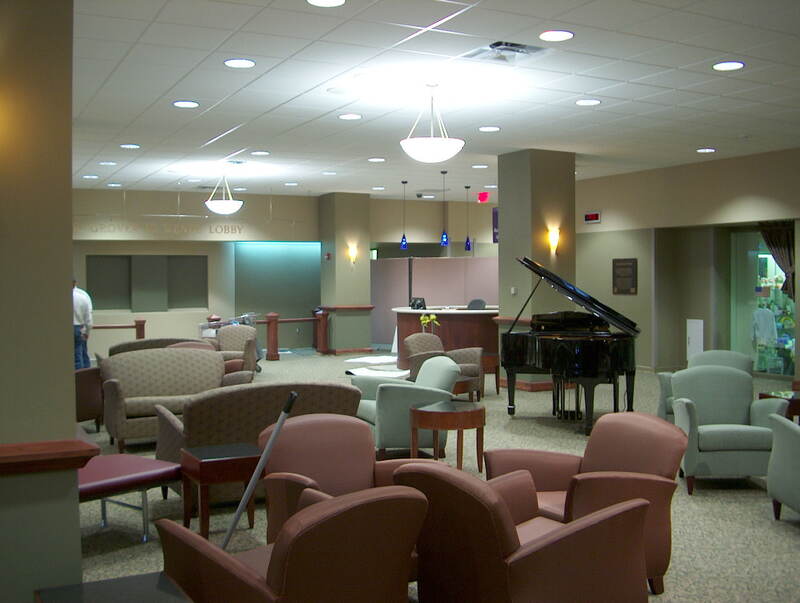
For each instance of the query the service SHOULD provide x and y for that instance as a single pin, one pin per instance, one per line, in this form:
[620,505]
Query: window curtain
[779,237]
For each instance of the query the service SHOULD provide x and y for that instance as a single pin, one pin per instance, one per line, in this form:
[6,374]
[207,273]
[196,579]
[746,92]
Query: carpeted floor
[726,546]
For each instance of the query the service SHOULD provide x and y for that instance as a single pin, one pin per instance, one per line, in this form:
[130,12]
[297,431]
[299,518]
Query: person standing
[81,324]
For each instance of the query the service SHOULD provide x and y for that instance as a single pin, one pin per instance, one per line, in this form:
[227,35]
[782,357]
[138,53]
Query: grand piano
[574,347]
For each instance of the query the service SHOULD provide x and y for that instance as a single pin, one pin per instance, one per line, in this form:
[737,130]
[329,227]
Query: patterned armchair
[147,344]
[240,413]
[135,382]
[235,342]
[421,346]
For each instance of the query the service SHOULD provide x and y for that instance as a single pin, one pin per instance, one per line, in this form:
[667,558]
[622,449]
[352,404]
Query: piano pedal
[511,410]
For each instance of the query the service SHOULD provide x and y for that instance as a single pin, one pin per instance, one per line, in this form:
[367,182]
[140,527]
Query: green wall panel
[108,281]
[149,283]
[187,277]
[282,278]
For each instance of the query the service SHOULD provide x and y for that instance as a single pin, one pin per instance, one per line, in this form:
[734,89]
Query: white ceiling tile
[347,10]
[565,61]
[209,84]
[108,28]
[630,91]
[625,71]
[89,48]
[612,13]
[490,23]
[292,24]
[296,76]
[149,54]
[581,83]
[377,35]
[141,9]
[610,43]
[675,78]
[420,13]
[184,36]
[341,54]
[247,44]
[676,55]
[721,85]
[674,26]
[204,13]
[720,103]
[541,8]
[734,38]
[436,42]
[676,97]
[786,49]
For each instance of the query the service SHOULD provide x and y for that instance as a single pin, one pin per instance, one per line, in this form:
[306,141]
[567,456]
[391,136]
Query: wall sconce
[352,252]
[552,237]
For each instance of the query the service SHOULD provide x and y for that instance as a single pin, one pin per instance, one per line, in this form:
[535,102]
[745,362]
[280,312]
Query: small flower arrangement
[428,320]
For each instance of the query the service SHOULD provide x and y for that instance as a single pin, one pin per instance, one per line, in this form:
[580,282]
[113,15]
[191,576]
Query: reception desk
[458,328]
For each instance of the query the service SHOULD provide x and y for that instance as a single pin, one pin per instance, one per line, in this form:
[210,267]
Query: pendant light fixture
[445,240]
[225,205]
[403,240]
[467,243]
[431,149]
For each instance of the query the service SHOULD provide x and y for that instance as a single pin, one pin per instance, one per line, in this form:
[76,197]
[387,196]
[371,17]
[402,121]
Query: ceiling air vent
[505,52]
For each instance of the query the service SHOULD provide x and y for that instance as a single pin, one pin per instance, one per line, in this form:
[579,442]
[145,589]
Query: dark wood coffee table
[793,410]
[449,415]
[206,465]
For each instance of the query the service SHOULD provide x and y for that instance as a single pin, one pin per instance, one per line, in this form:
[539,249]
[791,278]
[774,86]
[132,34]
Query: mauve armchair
[354,548]
[485,541]
[334,454]
[783,472]
[89,395]
[628,455]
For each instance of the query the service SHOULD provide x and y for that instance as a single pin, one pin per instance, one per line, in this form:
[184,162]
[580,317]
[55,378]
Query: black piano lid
[583,299]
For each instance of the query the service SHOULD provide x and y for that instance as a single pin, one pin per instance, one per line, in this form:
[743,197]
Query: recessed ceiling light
[325,3]
[428,196]
[239,189]
[379,188]
[240,63]
[479,166]
[376,159]
[350,116]
[106,163]
[556,35]
[113,185]
[727,66]
[193,180]
[587,102]
[290,184]
[90,176]
[186,104]
[328,173]
[706,150]
[489,129]
[489,186]
[129,145]
[259,153]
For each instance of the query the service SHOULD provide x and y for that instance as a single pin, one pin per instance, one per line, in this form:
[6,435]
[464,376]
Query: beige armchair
[147,344]
[135,382]
[237,341]
[421,346]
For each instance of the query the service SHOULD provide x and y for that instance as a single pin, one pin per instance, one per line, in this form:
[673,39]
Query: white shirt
[81,309]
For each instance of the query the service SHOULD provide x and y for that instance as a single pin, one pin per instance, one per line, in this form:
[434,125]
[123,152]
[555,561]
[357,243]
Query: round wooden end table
[449,415]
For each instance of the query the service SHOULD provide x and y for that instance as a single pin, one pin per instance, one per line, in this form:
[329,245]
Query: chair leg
[776,509]
[656,584]
[164,492]
[690,484]
[680,472]
[110,439]
[97,425]
[121,446]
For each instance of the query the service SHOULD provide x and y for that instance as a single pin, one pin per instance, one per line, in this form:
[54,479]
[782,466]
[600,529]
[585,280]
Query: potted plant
[428,320]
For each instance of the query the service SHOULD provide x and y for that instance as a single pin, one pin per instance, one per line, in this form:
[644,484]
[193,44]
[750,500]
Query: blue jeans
[81,353]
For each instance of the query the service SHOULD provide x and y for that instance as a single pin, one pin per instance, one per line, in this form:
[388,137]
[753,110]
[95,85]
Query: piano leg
[588,390]
[615,387]
[511,380]
[629,378]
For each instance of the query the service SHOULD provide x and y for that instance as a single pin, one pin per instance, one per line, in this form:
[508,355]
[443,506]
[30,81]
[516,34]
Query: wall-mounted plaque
[624,276]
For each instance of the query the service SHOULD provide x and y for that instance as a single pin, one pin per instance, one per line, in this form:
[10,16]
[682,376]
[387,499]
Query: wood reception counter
[458,328]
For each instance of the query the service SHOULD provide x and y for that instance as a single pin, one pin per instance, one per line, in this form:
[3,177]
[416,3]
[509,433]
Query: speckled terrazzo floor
[726,546]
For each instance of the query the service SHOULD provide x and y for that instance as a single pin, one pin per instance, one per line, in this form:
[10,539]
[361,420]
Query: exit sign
[591,217]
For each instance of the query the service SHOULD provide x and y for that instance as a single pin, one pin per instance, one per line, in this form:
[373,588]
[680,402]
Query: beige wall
[39,522]
[173,323]
[726,191]
[593,272]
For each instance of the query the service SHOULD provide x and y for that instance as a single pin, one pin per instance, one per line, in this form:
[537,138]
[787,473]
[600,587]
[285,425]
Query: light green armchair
[783,473]
[729,433]
[385,403]
[709,357]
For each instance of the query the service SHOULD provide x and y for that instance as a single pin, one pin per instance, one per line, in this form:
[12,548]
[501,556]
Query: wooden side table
[153,588]
[449,415]
[206,465]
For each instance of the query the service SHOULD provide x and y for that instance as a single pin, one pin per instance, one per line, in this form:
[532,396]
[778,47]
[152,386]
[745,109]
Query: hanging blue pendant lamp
[467,243]
[403,240]
[445,240]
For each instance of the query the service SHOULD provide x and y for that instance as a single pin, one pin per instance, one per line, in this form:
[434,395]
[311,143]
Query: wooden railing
[138,325]
[273,319]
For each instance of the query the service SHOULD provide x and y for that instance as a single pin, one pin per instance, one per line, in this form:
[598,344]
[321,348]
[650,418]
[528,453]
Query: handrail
[273,319]
[138,324]
[51,455]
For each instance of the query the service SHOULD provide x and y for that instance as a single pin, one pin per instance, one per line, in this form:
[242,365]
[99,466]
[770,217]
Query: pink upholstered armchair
[486,541]
[354,548]
[628,455]
[334,454]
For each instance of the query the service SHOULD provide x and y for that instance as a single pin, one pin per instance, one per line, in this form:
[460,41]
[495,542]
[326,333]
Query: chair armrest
[283,492]
[466,356]
[665,394]
[392,406]
[213,341]
[760,410]
[686,418]
[590,492]
[309,497]
[415,361]
[204,571]
[577,559]
[783,474]
[250,355]
[171,437]
[384,470]
[237,378]
[550,470]
[113,407]
[369,385]
[518,492]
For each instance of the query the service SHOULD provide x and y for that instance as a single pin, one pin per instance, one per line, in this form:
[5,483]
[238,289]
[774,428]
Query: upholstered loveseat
[135,382]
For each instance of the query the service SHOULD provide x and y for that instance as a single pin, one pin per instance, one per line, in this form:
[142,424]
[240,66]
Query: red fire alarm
[483,197]
[591,217]
[328,255]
